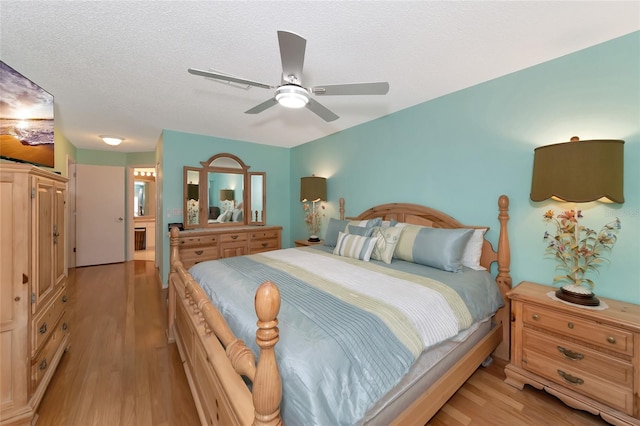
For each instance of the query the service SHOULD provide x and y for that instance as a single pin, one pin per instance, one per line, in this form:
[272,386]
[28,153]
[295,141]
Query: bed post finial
[341,201]
[503,279]
[267,386]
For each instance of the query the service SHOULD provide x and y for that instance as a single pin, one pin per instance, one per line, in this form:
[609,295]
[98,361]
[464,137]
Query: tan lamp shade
[313,188]
[227,195]
[579,172]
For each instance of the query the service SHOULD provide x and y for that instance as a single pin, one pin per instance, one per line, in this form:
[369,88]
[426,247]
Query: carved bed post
[267,386]
[503,278]
[174,256]
[341,201]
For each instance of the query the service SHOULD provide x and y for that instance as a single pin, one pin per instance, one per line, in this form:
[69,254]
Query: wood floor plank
[120,371]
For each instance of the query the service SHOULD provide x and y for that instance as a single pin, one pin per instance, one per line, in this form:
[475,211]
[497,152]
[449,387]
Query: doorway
[141,203]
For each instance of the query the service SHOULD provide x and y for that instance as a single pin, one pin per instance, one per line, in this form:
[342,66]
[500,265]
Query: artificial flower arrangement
[578,249]
[313,218]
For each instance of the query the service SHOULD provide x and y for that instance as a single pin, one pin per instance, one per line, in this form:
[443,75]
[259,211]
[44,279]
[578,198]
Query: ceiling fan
[290,93]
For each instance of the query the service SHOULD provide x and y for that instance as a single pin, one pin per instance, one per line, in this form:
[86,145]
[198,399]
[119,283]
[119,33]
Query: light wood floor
[121,371]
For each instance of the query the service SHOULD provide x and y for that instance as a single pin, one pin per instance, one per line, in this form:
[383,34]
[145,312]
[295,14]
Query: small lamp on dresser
[579,172]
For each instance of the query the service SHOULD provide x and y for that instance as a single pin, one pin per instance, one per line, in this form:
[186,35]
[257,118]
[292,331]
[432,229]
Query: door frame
[129,183]
[71,213]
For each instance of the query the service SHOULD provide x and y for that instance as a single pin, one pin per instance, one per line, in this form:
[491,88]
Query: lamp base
[314,239]
[584,299]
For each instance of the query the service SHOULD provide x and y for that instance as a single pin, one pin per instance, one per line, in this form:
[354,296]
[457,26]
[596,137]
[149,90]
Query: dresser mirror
[223,193]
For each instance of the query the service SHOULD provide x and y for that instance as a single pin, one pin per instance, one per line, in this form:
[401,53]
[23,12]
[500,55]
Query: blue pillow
[359,230]
[333,228]
[436,247]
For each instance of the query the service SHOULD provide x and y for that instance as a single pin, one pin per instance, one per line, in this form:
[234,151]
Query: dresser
[590,359]
[34,324]
[218,243]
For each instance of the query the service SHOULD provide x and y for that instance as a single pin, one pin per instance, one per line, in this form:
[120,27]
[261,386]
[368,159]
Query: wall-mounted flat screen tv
[26,119]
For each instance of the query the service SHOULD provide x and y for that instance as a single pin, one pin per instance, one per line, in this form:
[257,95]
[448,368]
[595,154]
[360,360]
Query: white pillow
[473,250]
[387,238]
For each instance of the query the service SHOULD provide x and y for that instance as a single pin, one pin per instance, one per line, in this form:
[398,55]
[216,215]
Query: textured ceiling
[120,67]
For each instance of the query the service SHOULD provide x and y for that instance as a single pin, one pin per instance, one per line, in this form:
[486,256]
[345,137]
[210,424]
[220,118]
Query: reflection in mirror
[192,199]
[257,201]
[144,194]
[226,195]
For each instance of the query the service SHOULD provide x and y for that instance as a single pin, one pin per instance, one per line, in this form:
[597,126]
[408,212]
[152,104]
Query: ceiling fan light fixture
[292,96]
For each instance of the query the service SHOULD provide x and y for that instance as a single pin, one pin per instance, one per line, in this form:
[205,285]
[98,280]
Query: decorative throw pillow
[333,228]
[354,246]
[386,240]
[436,247]
[369,223]
[473,250]
[359,230]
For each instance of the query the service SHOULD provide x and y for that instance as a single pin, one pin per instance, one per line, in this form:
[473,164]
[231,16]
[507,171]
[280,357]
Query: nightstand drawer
[606,337]
[579,381]
[570,355]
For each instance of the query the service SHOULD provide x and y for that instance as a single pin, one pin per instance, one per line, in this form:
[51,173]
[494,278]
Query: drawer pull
[570,379]
[64,326]
[535,317]
[64,299]
[575,356]
[233,237]
[611,340]
[43,364]
[199,252]
[570,325]
[43,328]
[265,244]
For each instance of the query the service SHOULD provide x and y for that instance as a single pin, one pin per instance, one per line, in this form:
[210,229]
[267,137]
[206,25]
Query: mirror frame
[263,216]
[223,163]
[185,192]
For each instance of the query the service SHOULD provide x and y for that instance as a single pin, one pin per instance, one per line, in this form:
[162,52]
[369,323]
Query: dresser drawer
[263,245]
[195,255]
[582,382]
[43,362]
[265,235]
[44,322]
[233,237]
[604,336]
[198,240]
[570,355]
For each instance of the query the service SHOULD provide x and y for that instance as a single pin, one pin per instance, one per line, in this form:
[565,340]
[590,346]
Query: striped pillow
[354,246]
[436,247]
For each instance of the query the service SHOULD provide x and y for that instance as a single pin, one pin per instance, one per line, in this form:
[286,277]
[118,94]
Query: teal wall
[458,153]
[178,149]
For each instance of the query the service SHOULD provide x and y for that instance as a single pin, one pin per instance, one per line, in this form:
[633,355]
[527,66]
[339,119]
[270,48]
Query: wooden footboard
[215,360]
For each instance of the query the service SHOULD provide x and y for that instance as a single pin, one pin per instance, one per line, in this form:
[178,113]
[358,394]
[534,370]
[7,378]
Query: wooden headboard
[420,215]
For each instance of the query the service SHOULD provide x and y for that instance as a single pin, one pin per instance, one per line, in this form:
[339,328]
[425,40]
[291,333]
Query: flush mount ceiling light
[111,140]
[292,96]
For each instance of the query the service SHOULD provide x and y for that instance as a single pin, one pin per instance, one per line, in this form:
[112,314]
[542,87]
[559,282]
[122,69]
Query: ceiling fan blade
[292,48]
[261,107]
[381,88]
[321,110]
[224,77]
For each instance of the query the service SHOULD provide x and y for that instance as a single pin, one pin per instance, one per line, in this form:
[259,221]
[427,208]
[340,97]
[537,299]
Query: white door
[100,215]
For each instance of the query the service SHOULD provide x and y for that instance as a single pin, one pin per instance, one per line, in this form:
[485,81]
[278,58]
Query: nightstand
[303,243]
[589,359]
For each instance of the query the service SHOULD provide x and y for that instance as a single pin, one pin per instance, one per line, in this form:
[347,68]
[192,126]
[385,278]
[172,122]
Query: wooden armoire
[34,323]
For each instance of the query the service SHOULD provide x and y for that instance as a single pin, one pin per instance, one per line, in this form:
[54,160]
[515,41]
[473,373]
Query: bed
[414,370]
